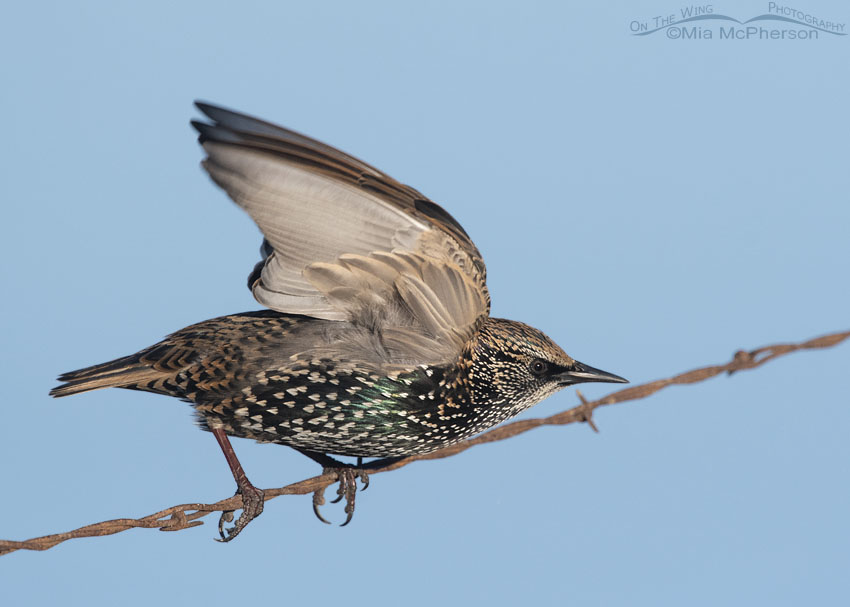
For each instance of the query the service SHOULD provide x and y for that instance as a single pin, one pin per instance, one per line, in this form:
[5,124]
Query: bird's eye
[539,367]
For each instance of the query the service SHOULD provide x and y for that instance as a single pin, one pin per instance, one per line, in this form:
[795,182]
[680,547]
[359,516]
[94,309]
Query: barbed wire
[184,516]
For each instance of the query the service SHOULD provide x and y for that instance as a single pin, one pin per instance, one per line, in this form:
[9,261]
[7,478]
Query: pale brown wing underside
[346,241]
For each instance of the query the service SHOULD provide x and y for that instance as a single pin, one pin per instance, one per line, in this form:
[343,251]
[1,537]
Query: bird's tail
[125,372]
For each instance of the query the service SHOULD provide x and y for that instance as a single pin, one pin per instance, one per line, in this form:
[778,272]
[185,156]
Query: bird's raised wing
[344,241]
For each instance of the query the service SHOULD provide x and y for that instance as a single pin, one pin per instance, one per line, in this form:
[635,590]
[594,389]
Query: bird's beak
[579,373]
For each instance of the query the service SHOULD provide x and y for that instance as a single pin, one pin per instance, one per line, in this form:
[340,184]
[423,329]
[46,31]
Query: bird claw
[318,501]
[253,500]
[347,477]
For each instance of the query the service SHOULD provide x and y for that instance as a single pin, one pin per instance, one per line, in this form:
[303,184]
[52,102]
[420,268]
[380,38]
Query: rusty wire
[184,516]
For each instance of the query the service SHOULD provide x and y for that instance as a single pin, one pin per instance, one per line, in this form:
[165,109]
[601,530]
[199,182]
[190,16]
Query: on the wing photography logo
[703,22]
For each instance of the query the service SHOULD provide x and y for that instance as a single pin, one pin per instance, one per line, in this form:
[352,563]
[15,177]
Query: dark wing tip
[214,132]
[229,126]
[202,128]
[204,106]
[207,131]
[212,111]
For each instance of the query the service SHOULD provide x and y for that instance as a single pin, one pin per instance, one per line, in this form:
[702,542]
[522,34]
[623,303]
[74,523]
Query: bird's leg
[347,476]
[252,498]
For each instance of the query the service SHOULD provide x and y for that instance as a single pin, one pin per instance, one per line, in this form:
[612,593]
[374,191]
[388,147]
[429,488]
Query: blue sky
[653,204]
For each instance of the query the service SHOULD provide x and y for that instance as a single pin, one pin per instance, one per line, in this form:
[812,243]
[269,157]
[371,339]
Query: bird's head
[518,366]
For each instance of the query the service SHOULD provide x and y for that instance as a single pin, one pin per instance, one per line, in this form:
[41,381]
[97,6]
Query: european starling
[378,341]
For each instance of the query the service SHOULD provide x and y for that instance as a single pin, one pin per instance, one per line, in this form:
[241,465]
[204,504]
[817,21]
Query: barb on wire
[184,516]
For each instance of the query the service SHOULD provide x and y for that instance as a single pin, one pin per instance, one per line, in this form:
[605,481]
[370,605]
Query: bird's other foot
[347,477]
[253,500]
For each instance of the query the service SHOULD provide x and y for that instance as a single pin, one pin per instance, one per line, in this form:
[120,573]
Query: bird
[375,340]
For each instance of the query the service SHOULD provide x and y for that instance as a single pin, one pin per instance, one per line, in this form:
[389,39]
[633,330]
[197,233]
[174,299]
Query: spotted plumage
[378,342]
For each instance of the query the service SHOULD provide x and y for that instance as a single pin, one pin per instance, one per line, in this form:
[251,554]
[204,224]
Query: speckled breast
[334,407]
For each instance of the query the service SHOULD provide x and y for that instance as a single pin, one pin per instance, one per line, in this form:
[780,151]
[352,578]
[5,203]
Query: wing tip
[201,127]
[211,110]
[209,131]
[215,133]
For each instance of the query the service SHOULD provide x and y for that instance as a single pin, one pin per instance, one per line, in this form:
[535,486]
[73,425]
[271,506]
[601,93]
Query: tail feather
[158,368]
[125,372]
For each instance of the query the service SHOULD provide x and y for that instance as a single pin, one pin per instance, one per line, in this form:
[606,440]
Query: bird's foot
[253,500]
[347,490]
